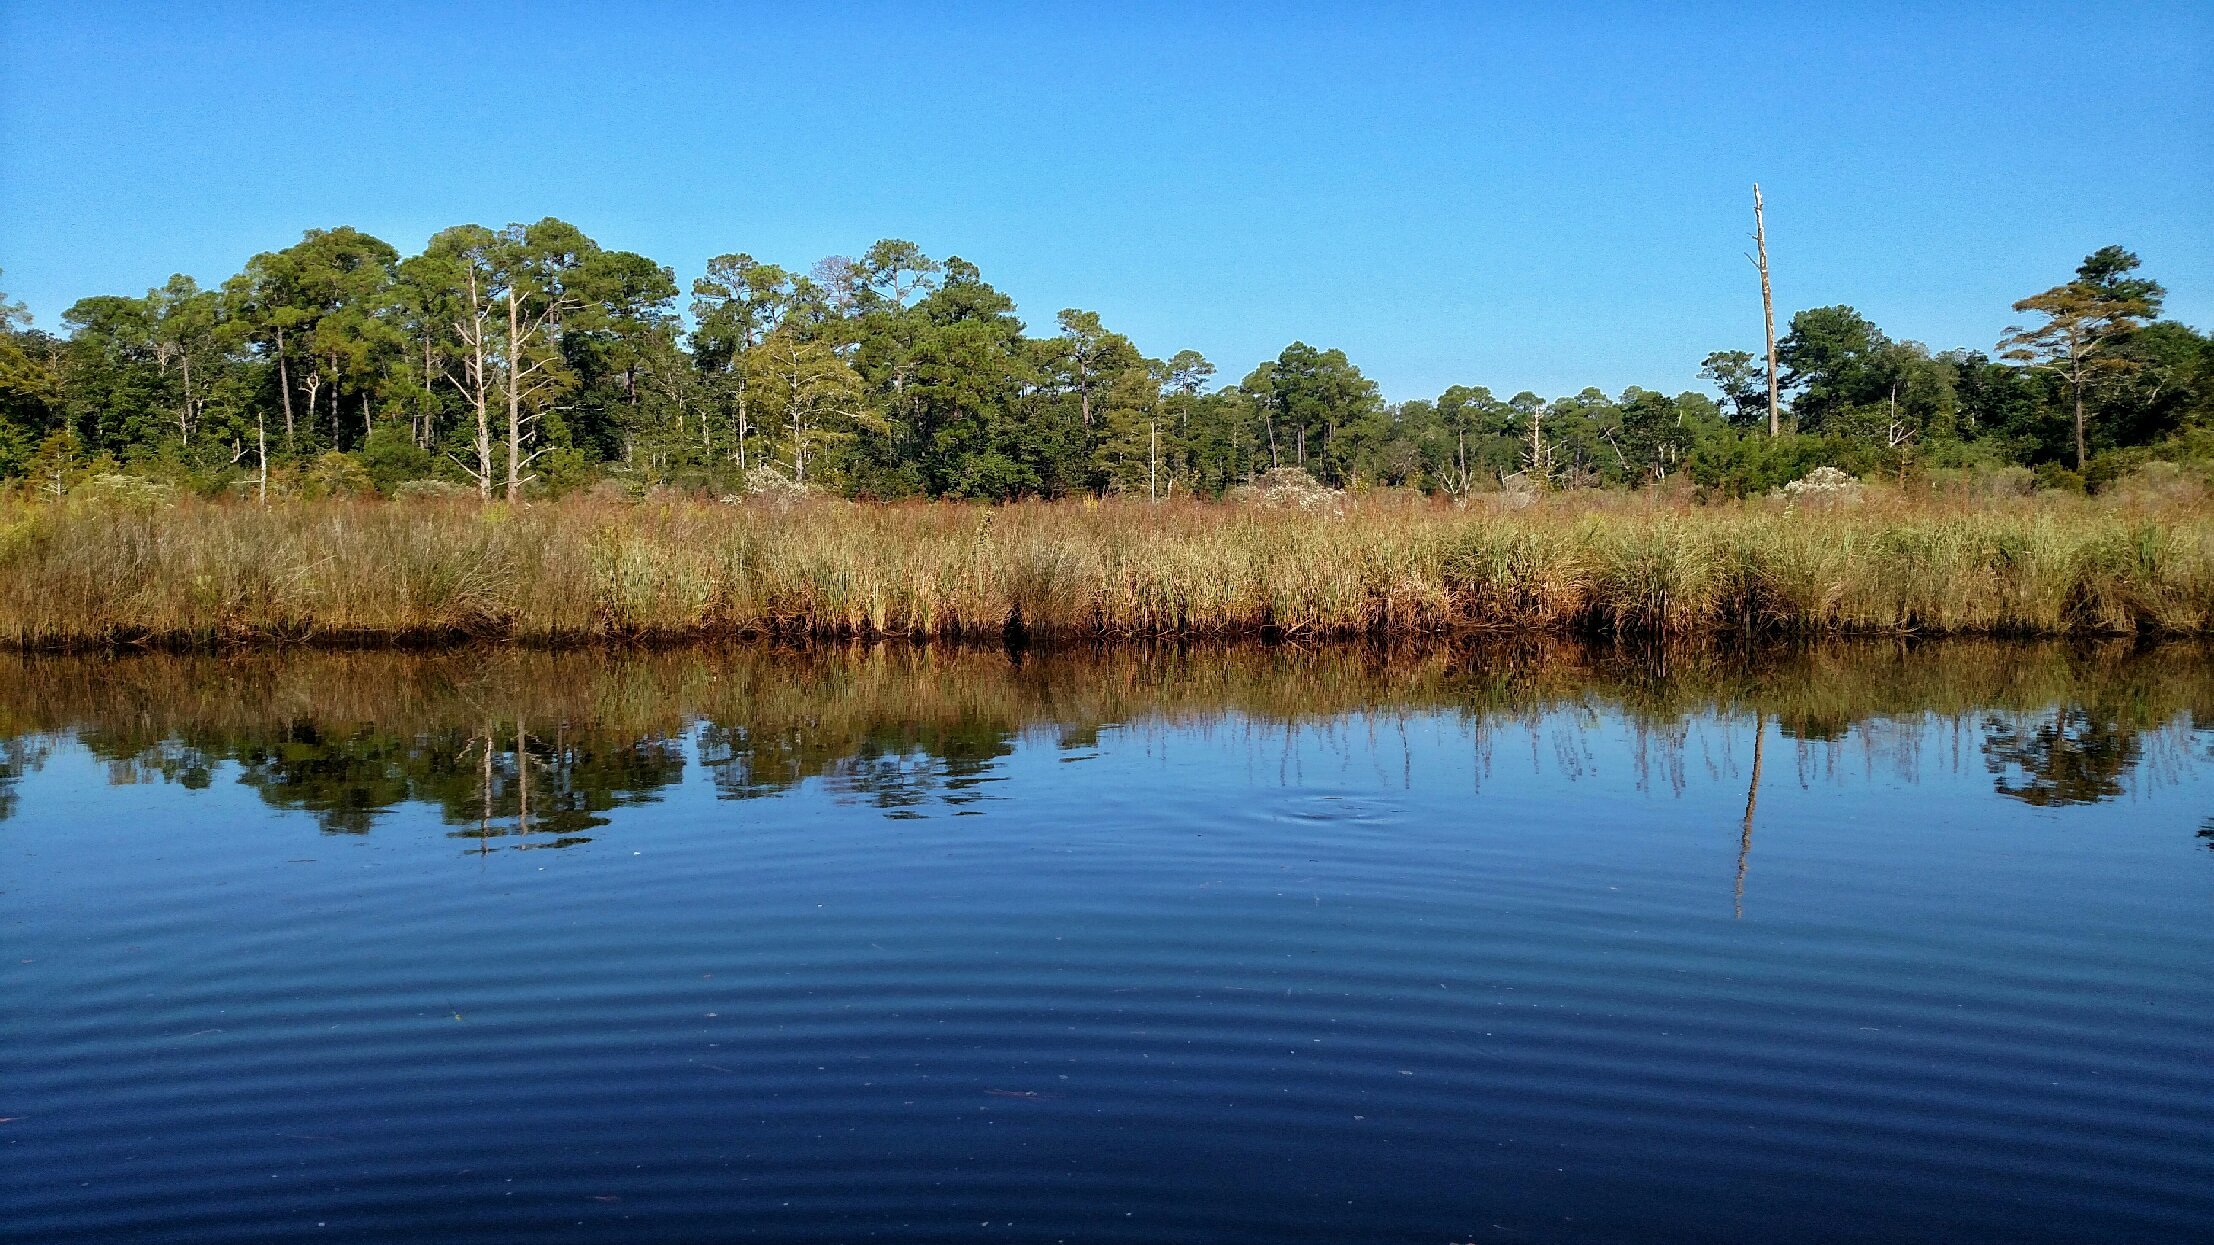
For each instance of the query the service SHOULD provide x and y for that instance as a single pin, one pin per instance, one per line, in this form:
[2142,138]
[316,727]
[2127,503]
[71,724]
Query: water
[1256,945]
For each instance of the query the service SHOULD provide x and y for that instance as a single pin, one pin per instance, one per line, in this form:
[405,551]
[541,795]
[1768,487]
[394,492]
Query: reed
[90,575]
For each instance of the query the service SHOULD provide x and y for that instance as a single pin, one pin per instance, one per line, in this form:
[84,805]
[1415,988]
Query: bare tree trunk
[745,410]
[481,395]
[483,401]
[261,440]
[1153,460]
[799,440]
[1768,312]
[284,388]
[184,417]
[422,429]
[514,392]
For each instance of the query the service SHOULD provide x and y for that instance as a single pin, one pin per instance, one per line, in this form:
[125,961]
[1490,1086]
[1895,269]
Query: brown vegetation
[107,572]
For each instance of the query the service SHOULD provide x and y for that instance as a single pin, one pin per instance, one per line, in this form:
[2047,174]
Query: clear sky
[1530,196]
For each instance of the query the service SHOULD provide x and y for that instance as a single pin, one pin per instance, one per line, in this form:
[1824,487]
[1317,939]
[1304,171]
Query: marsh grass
[95,574]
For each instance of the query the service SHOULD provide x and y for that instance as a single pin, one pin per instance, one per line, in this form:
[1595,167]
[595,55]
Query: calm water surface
[1520,945]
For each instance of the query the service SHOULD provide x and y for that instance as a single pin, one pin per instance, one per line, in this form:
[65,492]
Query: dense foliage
[531,360]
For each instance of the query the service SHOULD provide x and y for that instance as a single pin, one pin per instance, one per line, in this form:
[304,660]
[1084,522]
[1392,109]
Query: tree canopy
[528,359]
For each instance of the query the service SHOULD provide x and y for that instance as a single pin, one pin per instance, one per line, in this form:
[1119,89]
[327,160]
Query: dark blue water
[1221,948]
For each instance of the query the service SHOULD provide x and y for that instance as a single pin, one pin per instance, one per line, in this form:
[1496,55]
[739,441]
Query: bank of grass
[84,575]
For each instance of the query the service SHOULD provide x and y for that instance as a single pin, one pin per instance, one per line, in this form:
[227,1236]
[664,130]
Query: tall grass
[201,573]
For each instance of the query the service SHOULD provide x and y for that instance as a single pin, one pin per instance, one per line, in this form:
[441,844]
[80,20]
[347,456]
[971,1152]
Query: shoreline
[210,576]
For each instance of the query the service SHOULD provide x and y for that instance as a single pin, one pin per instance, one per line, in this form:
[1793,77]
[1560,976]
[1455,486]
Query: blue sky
[1541,196]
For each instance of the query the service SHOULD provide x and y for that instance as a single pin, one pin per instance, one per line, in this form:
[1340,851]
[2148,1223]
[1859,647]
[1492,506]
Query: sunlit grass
[204,573]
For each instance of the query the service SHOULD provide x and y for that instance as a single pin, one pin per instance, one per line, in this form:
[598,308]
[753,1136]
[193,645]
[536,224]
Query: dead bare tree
[531,373]
[1768,310]
[475,382]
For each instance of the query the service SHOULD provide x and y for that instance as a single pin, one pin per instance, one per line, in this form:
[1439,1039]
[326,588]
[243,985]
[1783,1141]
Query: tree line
[529,360]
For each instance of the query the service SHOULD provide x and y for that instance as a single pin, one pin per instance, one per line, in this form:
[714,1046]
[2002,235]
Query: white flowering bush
[1823,486]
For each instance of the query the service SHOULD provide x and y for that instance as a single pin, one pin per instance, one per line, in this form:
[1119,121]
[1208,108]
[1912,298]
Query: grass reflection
[534,748]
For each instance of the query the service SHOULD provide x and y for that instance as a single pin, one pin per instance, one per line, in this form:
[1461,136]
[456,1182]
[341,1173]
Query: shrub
[1823,486]
[336,474]
[432,490]
[2159,484]
[392,457]
[768,484]
[1286,486]
[1984,481]
[113,488]
[2058,479]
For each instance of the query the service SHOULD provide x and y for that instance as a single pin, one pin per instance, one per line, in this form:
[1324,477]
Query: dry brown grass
[198,573]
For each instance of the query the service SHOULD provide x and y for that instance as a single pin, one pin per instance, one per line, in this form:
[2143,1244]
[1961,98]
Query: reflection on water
[1534,942]
[528,748]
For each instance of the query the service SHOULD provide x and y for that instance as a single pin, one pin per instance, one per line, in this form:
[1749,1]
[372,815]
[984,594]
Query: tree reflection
[342,777]
[1752,804]
[2069,756]
[526,790]
[18,756]
[516,749]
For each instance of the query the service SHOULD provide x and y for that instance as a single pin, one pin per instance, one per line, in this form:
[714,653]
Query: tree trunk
[423,430]
[514,393]
[284,388]
[1153,460]
[2082,455]
[261,441]
[184,417]
[1768,312]
[480,395]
